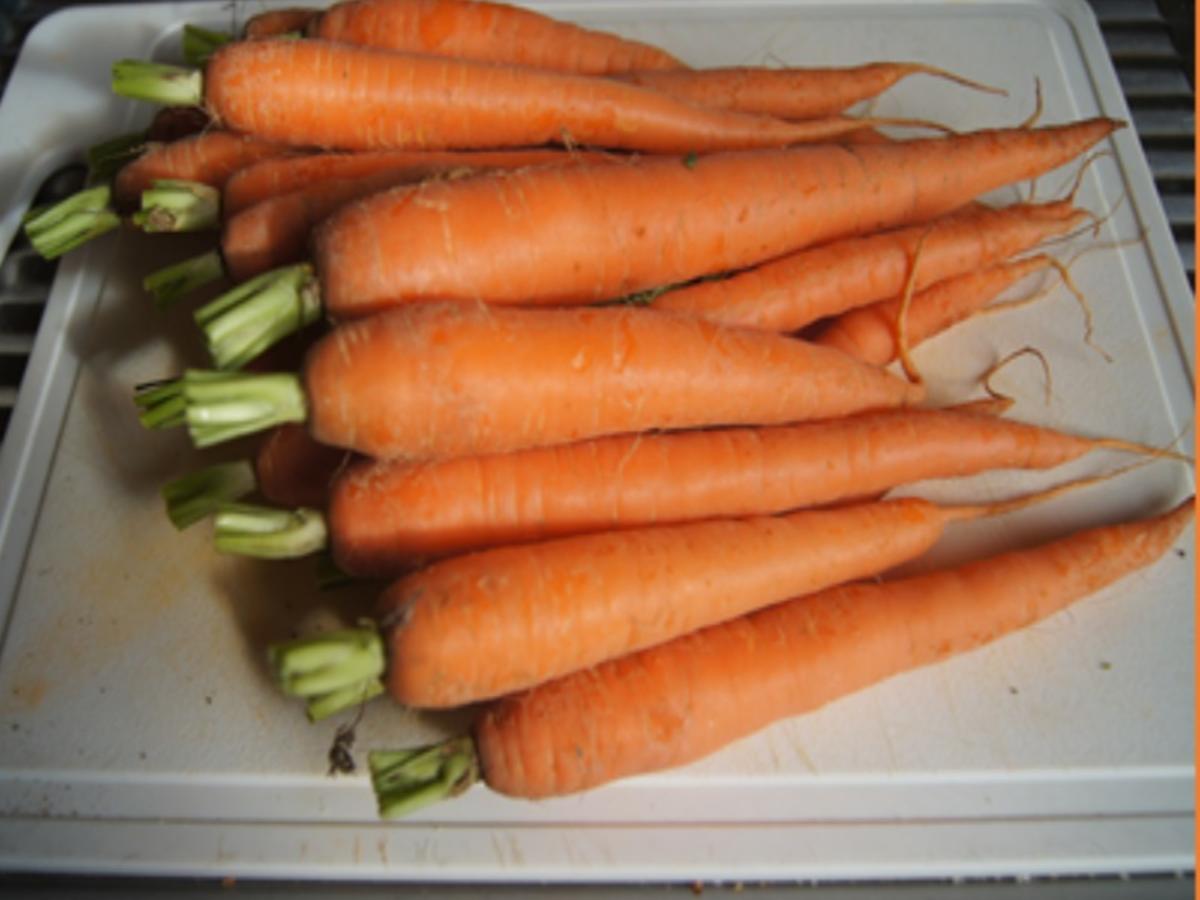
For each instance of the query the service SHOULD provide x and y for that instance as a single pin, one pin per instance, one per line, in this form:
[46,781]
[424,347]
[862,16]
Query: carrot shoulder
[703,691]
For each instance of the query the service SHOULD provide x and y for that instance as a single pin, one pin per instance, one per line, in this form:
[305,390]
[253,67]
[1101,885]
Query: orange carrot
[292,469]
[870,332]
[275,231]
[490,623]
[277,22]
[787,93]
[433,380]
[686,699]
[793,291]
[585,234]
[382,99]
[281,175]
[208,158]
[384,515]
[492,32]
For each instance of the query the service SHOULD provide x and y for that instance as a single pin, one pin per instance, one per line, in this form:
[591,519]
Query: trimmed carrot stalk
[384,516]
[340,669]
[199,43]
[61,227]
[703,691]
[200,494]
[172,205]
[432,380]
[490,32]
[179,279]
[789,93]
[794,291]
[870,332]
[574,241]
[388,100]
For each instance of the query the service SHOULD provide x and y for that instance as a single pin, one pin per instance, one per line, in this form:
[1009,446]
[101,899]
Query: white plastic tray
[139,731]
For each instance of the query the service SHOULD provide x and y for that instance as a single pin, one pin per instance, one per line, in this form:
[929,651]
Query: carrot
[382,517]
[292,469]
[870,332]
[296,194]
[580,234]
[282,175]
[433,380]
[492,32]
[276,22]
[683,700]
[788,93]
[791,292]
[207,159]
[387,100]
[487,624]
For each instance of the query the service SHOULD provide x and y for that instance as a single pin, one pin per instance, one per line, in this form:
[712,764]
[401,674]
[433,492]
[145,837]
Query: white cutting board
[139,731]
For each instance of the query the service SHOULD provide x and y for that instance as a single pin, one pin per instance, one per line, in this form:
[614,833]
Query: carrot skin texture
[379,100]
[275,231]
[434,380]
[787,93]
[210,157]
[794,291]
[277,22]
[869,332]
[383,515]
[485,31]
[487,624]
[586,234]
[294,470]
[281,175]
[678,702]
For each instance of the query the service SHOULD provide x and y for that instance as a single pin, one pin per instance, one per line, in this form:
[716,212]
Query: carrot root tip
[198,495]
[158,83]
[174,282]
[245,529]
[171,205]
[244,322]
[407,780]
[332,671]
[59,228]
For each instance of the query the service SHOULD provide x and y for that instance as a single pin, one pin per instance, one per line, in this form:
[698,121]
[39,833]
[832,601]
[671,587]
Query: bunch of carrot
[563,403]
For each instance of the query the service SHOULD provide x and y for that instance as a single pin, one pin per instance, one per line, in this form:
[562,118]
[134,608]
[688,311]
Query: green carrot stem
[199,43]
[221,406]
[171,283]
[158,83]
[174,205]
[105,159]
[241,324]
[55,229]
[267,533]
[407,780]
[200,494]
[331,671]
